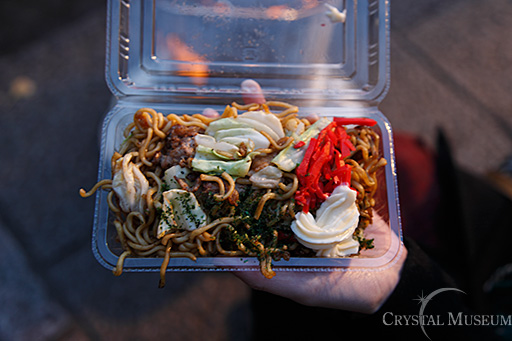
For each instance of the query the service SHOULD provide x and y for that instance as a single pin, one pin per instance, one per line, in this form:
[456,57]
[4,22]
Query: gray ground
[451,68]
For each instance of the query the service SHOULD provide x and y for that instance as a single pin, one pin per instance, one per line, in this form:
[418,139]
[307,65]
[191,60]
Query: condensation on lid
[336,49]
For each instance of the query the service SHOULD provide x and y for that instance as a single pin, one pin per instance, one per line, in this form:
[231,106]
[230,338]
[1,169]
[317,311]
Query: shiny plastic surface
[107,249]
[299,49]
[180,57]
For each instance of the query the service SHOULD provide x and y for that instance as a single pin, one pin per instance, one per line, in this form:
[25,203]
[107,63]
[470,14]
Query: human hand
[349,289]
[357,290]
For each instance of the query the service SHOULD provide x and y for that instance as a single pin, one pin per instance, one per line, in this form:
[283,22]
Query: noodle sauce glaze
[257,181]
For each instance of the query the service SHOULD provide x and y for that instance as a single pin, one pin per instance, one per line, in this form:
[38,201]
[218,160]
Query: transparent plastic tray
[183,56]
[107,249]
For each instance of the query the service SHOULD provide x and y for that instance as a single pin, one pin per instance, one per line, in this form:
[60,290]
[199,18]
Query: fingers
[312,118]
[358,291]
[251,92]
[211,113]
[292,285]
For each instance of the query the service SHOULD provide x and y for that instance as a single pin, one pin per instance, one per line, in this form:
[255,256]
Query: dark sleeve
[277,318]
[420,276]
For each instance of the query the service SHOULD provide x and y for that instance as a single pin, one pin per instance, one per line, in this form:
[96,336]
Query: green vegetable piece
[238,168]
[259,140]
[223,124]
[290,157]
[183,211]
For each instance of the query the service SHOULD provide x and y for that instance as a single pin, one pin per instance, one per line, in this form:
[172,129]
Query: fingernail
[251,92]
[209,112]
[251,86]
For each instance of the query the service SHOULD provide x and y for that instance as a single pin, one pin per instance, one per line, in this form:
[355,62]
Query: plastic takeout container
[179,56]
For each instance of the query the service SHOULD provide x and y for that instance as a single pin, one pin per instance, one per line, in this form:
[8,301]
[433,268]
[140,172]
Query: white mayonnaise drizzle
[330,232]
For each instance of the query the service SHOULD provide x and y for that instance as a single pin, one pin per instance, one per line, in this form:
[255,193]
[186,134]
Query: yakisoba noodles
[247,211]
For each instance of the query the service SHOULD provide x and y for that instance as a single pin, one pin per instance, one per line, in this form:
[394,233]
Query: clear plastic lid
[333,50]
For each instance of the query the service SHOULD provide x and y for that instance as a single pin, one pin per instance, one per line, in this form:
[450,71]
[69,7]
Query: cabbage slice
[180,210]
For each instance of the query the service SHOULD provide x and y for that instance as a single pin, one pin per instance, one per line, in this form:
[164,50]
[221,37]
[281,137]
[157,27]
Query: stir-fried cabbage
[130,185]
